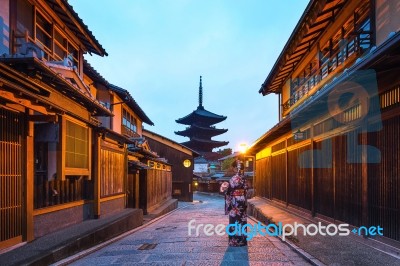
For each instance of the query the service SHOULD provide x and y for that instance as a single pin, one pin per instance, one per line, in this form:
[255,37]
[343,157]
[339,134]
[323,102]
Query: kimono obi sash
[238,192]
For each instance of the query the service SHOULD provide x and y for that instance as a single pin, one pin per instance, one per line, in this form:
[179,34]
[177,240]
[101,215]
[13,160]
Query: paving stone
[100,260]
[176,247]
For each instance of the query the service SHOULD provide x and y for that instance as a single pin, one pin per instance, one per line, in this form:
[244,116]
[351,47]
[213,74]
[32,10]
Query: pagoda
[200,128]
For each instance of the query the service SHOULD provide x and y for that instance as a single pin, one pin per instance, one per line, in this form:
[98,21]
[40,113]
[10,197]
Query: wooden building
[335,151]
[119,165]
[64,130]
[181,159]
[150,178]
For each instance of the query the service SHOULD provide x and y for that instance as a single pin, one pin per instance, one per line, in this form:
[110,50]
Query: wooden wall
[181,176]
[112,172]
[155,188]
[361,194]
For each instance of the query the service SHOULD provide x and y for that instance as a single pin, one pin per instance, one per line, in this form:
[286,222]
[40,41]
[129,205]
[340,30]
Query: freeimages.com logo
[282,230]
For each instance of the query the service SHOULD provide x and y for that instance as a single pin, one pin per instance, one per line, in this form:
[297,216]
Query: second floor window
[129,121]
[55,45]
[37,27]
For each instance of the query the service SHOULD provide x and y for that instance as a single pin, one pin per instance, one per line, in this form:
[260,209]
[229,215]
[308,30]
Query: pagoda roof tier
[204,145]
[196,130]
[201,116]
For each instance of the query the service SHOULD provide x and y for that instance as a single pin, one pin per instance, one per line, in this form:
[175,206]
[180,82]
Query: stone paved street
[173,246]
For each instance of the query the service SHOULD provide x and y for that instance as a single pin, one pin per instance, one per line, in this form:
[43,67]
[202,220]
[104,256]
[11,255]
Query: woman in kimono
[236,205]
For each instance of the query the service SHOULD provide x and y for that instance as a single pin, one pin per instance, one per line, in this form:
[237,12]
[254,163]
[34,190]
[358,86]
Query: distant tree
[227,164]
[225,152]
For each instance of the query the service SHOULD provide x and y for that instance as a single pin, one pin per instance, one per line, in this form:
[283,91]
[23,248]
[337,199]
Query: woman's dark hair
[238,164]
[234,164]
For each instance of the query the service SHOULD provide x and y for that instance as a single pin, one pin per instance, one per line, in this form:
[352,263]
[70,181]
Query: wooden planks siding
[278,173]
[384,180]
[299,177]
[112,165]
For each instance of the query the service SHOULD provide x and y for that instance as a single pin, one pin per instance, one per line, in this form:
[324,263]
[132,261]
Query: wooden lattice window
[77,146]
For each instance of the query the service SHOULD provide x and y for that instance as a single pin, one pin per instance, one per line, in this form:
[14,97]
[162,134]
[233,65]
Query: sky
[158,49]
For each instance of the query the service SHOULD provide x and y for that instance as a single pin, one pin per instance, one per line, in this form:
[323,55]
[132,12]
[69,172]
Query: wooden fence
[56,192]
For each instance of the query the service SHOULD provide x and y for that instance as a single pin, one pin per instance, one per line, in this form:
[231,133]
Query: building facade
[65,132]
[181,159]
[334,153]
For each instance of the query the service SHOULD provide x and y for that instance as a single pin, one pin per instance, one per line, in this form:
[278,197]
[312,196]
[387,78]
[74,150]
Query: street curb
[93,249]
[308,257]
[209,194]
[70,244]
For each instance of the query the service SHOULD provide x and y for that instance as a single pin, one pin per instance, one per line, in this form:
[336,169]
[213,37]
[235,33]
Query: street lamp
[187,163]
[243,148]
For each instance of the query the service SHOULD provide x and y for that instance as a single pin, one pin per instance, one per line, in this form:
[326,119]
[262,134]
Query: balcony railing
[349,50]
[128,132]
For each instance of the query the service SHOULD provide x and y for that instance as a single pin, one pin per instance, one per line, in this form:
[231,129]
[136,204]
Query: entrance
[11,178]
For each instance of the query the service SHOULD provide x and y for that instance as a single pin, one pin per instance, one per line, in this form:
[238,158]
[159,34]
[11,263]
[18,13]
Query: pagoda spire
[201,95]
[201,130]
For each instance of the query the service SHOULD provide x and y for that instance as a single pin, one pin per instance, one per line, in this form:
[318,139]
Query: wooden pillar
[312,158]
[286,173]
[334,148]
[13,26]
[61,148]
[96,175]
[126,188]
[364,176]
[373,28]
[136,189]
[29,177]
[280,104]
[143,193]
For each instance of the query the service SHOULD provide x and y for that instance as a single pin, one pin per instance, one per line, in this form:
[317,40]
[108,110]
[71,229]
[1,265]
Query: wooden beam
[43,118]
[24,102]
[333,8]
[15,107]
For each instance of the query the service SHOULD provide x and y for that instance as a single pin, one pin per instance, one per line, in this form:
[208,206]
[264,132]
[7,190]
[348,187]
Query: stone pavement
[166,242]
[73,239]
[330,250]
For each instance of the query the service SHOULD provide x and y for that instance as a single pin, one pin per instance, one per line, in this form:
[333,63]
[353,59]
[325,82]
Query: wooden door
[11,178]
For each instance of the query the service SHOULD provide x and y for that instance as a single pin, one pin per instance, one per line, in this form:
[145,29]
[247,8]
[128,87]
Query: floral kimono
[236,208]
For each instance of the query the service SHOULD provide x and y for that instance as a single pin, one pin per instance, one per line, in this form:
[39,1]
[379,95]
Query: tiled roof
[200,113]
[68,15]
[317,16]
[124,94]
